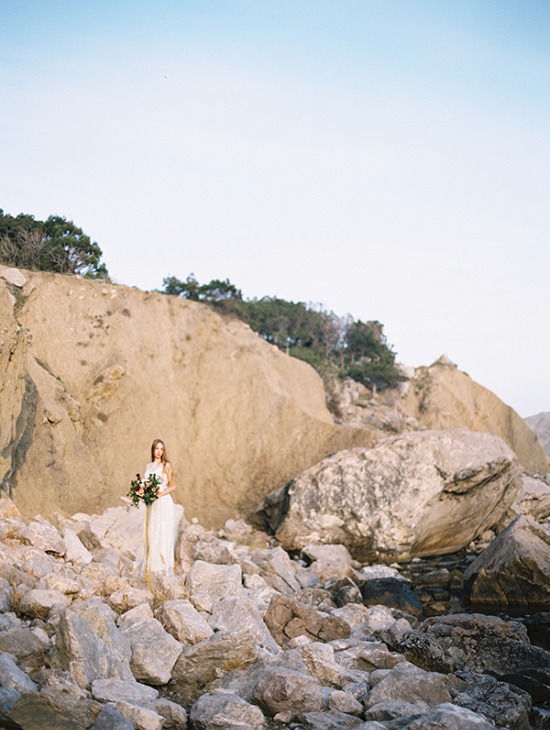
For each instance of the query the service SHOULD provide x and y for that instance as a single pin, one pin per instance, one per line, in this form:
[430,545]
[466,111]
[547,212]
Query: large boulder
[420,493]
[514,570]
[78,363]
[540,425]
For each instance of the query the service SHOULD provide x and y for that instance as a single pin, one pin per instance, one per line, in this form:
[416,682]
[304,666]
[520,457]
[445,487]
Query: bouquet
[144,490]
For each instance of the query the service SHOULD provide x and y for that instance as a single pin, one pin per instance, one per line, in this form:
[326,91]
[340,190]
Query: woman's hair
[164,458]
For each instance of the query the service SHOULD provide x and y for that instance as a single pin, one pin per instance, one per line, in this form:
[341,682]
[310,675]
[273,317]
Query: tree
[52,245]
[215,292]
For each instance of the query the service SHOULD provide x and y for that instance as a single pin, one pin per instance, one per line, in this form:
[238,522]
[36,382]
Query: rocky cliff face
[91,373]
[540,425]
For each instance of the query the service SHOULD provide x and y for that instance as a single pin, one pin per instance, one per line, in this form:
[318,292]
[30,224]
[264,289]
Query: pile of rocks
[242,636]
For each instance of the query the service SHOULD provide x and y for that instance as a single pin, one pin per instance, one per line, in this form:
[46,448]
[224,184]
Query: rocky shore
[246,635]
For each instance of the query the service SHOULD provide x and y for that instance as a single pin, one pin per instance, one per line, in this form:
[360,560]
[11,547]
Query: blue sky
[389,159]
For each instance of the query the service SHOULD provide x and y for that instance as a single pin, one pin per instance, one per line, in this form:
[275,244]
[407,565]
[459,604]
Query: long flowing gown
[159,528]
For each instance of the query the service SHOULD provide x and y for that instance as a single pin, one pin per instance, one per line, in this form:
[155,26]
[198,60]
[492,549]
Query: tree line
[333,345]
[55,244]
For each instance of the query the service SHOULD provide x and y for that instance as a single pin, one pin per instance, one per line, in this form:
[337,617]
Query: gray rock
[329,561]
[53,709]
[277,569]
[154,651]
[346,702]
[181,619]
[514,570]
[533,499]
[210,659]
[74,549]
[235,614]
[499,702]
[478,643]
[319,661]
[8,698]
[411,684]
[286,695]
[225,711]
[20,641]
[90,645]
[449,717]
[11,677]
[38,603]
[421,493]
[129,597]
[5,596]
[208,583]
[393,709]
[114,690]
[41,534]
[331,720]
[367,656]
[175,716]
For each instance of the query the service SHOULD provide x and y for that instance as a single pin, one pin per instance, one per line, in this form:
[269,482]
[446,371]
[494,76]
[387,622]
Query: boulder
[38,603]
[501,703]
[411,684]
[475,643]
[237,614]
[110,719]
[330,720]
[40,534]
[154,651]
[420,493]
[224,710]
[90,645]
[448,716]
[287,618]
[181,619]
[393,593]
[143,718]
[285,694]
[14,678]
[208,583]
[533,499]
[514,570]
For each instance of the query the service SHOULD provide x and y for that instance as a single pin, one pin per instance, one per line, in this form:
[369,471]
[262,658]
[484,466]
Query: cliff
[92,372]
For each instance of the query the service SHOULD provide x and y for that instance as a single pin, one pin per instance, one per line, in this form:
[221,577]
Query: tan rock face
[92,373]
[443,397]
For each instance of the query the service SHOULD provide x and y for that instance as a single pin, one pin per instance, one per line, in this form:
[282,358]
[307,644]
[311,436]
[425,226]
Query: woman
[159,516]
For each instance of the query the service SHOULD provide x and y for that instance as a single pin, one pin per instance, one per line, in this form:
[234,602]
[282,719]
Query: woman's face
[159,450]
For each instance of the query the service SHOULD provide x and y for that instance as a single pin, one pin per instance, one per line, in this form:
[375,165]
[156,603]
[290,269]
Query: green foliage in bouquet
[144,490]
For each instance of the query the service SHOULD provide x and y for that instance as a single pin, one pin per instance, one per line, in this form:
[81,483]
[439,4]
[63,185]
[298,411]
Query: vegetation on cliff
[331,344]
[55,244]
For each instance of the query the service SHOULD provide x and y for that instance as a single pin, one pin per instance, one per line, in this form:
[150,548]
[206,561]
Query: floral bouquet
[144,490]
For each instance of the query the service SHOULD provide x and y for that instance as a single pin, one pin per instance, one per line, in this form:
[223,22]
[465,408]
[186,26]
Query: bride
[159,516]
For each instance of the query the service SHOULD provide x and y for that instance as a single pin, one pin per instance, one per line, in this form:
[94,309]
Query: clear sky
[386,158]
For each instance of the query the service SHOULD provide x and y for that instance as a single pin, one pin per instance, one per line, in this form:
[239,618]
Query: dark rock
[505,705]
[540,693]
[514,570]
[391,592]
[538,628]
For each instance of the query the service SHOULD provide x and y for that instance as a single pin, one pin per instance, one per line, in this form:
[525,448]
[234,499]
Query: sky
[388,159]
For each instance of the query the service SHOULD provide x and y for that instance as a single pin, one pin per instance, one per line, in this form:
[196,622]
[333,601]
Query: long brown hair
[164,458]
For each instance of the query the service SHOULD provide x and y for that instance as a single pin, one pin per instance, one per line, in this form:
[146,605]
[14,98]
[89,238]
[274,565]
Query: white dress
[159,528]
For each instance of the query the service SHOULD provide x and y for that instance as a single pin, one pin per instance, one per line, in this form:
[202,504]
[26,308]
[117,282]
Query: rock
[538,629]
[90,645]
[449,717]
[40,603]
[174,715]
[13,276]
[287,618]
[21,642]
[181,619]
[64,580]
[208,583]
[234,614]
[320,661]
[499,702]
[154,651]
[9,511]
[129,597]
[8,698]
[411,684]
[415,494]
[478,643]
[141,717]
[342,701]
[35,562]
[12,677]
[40,534]
[54,707]
[391,592]
[329,561]
[225,710]
[277,569]
[533,499]
[540,425]
[514,570]
[110,719]
[366,655]
[286,694]
[394,709]
[75,550]
[202,663]
[114,690]
[331,720]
